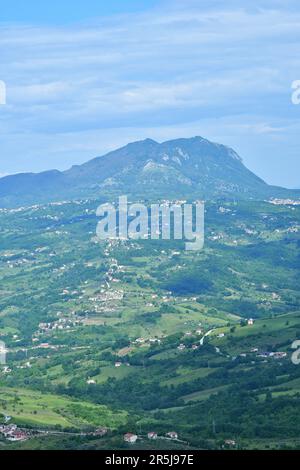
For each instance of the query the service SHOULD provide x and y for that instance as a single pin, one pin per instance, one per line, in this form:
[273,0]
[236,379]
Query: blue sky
[88,76]
[67,11]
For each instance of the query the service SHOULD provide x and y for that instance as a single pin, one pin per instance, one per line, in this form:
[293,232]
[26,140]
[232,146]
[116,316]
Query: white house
[131,438]
[172,435]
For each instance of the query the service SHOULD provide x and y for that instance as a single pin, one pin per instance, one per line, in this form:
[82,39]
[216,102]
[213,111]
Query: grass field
[45,410]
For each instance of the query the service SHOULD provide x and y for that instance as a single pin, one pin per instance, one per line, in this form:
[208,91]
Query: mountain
[186,168]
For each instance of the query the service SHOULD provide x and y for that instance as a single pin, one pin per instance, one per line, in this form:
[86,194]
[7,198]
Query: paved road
[203,337]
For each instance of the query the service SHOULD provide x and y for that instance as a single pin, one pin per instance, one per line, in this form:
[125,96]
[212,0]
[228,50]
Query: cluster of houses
[106,299]
[229,443]
[17,263]
[119,364]
[101,302]
[114,268]
[141,341]
[132,438]
[285,202]
[182,347]
[266,354]
[61,324]
[188,334]
[12,433]
[273,354]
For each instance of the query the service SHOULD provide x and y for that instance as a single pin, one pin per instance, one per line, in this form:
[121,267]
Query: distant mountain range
[181,168]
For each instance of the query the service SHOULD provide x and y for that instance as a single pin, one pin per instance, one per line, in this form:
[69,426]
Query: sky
[85,77]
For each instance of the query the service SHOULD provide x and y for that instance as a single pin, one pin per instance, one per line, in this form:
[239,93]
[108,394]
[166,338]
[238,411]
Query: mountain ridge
[184,167]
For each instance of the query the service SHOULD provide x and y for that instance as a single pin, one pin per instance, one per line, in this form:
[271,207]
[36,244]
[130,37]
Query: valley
[142,336]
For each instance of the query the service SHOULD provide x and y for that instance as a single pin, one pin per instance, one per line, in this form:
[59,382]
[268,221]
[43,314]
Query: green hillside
[143,335]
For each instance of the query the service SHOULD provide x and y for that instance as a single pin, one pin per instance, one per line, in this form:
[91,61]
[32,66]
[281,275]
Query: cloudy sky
[88,76]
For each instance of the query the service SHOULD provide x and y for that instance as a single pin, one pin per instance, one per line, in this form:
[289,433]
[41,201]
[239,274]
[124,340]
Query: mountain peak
[149,141]
[144,142]
[180,168]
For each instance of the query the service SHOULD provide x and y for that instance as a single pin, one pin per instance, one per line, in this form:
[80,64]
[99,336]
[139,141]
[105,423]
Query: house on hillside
[100,432]
[152,435]
[131,438]
[172,435]
[91,382]
[17,436]
[230,443]
[12,433]
[279,354]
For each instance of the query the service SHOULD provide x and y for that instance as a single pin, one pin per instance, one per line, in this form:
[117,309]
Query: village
[15,433]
